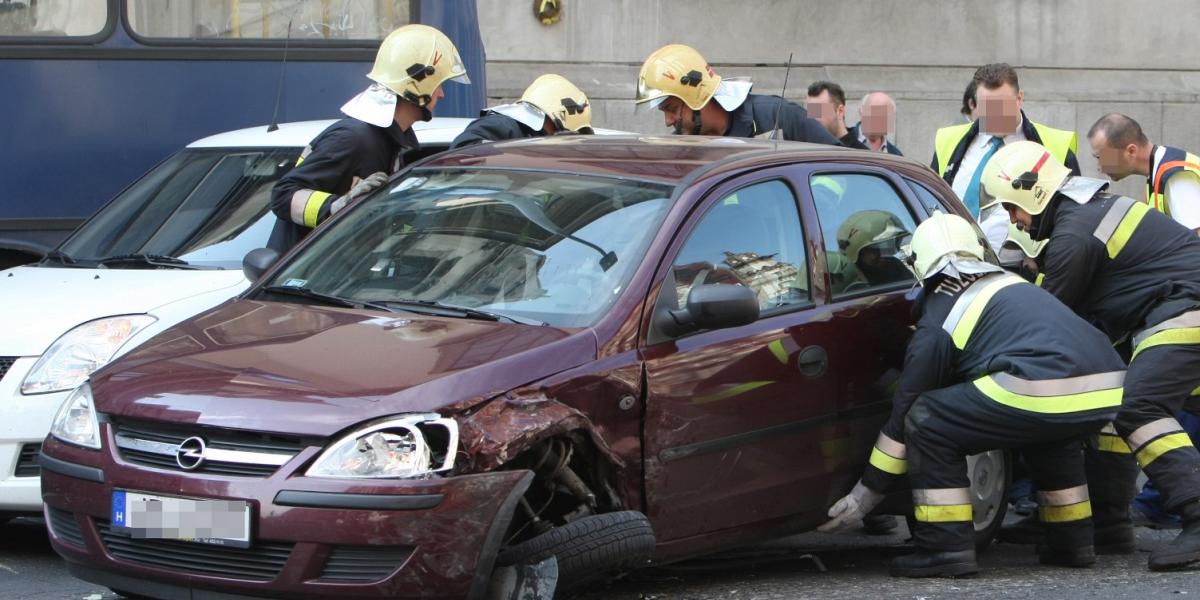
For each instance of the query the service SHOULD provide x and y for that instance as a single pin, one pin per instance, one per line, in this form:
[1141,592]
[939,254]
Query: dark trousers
[944,426]
[1158,384]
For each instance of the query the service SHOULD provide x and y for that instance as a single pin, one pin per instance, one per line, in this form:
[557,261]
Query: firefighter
[355,155]
[1135,273]
[551,104]
[984,370]
[870,240]
[696,101]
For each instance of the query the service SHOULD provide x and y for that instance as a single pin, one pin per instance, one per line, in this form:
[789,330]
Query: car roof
[668,158]
[441,130]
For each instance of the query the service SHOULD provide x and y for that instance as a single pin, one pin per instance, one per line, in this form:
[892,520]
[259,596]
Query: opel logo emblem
[190,454]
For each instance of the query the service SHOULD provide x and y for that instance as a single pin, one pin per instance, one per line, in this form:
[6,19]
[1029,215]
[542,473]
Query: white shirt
[1183,194]
[993,221]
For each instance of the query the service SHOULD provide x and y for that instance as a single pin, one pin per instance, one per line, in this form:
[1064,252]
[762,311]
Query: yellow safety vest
[1057,141]
[1174,161]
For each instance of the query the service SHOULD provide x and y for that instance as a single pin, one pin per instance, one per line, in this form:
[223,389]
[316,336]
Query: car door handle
[812,361]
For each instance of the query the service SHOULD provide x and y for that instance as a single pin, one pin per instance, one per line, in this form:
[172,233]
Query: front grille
[6,363]
[260,562]
[363,564]
[64,526]
[27,461]
[169,437]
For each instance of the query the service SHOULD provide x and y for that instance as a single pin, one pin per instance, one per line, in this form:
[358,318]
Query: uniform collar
[741,120]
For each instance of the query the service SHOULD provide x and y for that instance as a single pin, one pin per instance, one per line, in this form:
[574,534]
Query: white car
[169,246]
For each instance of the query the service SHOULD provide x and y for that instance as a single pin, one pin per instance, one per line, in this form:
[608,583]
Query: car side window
[926,197]
[867,228]
[751,237]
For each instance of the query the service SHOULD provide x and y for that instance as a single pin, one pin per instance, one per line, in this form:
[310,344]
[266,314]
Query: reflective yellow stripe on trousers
[1063,506]
[1184,329]
[1157,438]
[945,505]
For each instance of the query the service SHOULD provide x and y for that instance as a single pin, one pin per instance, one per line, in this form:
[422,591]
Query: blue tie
[971,199]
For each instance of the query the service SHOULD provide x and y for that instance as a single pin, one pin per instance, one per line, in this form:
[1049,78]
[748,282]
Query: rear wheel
[589,548]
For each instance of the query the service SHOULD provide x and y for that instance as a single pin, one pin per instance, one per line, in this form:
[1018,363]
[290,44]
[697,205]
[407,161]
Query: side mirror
[257,261]
[711,306]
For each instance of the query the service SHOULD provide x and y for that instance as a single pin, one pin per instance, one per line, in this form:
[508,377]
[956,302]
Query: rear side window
[751,237]
[867,228]
[927,198]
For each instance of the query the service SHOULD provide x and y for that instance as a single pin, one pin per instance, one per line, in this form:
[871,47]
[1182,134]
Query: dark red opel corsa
[610,351]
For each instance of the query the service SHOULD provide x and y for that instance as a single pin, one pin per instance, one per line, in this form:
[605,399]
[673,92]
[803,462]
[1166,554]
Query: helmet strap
[695,122]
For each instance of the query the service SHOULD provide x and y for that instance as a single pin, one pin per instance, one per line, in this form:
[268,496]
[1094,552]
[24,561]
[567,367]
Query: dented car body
[507,340]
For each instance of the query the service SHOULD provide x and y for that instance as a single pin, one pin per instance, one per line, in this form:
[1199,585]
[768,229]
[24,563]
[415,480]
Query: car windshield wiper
[472,313]
[154,260]
[62,258]
[303,292]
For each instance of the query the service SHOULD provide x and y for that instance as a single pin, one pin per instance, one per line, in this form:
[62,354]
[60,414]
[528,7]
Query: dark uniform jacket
[1137,268]
[888,146]
[850,140]
[1022,331]
[756,118]
[347,151]
[492,127]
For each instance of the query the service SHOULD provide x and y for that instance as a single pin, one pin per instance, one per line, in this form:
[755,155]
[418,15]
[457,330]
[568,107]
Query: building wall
[1077,59]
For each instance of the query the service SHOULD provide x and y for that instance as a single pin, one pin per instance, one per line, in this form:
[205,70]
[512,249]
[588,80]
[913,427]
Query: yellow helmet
[679,71]
[866,228]
[1020,240]
[414,60]
[564,104]
[1024,174]
[942,235]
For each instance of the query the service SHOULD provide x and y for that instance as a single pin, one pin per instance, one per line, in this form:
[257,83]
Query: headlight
[407,446]
[76,421]
[73,357]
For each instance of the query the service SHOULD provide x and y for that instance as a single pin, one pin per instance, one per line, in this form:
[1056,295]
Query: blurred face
[826,111]
[878,116]
[999,109]
[1116,163]
[1017,216]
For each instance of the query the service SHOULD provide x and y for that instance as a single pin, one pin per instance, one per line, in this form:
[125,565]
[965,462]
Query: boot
[1026,531]
[927,563]
[1075,557]
[1185,548]
[1115,538]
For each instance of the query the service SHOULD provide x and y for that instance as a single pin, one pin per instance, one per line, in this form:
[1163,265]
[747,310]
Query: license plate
[219,522]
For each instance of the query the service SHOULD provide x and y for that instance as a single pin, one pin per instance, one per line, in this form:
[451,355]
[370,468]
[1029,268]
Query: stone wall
[1077,59]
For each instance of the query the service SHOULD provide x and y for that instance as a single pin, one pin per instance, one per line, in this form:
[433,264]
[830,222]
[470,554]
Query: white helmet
[943,236]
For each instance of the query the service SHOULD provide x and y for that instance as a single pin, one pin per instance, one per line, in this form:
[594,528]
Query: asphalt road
[845,566]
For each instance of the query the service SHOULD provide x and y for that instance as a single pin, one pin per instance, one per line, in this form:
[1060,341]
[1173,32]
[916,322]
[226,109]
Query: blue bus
[98,91]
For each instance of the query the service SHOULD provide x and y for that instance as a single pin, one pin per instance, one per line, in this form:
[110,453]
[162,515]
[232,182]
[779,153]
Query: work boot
[1185,548]
[1026,531]
[1115,538]
[1075,558]
[926,563]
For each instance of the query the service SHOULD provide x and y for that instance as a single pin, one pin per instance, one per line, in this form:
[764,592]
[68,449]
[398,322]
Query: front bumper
[24,421]
[311,538]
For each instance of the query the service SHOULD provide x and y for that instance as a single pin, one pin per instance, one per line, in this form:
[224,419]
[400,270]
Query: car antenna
[279,89]
[782,98]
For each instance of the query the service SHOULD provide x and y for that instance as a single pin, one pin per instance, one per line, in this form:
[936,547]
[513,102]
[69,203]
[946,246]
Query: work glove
[851,508]
[373,182]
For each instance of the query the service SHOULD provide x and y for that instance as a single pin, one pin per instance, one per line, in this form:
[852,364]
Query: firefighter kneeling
[995,363]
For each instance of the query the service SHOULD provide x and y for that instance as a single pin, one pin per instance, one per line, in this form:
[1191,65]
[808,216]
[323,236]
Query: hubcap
[986,473]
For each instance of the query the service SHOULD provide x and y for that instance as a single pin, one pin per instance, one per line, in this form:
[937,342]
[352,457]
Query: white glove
[851,508]
[373,182]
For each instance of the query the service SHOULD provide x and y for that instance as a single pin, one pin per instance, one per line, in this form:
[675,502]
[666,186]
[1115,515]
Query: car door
[737,420]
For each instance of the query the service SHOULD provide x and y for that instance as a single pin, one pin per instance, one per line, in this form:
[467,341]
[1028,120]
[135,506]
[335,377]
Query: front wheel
[990,474]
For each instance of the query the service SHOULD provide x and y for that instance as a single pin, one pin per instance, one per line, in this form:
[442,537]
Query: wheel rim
[986,473]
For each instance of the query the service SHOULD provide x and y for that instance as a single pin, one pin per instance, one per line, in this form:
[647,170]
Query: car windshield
[201,208]
[553,248]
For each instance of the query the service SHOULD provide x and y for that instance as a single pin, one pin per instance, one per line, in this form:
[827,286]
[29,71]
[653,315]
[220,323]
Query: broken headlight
[397,447]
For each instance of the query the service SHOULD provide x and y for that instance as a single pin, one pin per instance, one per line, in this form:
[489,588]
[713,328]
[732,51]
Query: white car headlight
[405,446]
[76,421]
[73,357]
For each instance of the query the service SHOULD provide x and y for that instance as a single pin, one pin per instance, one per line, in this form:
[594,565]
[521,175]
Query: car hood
[39,304]
[314,371]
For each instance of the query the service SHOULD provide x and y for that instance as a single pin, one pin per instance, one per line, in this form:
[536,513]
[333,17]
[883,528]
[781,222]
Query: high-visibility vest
[1173,161]
[1056,141]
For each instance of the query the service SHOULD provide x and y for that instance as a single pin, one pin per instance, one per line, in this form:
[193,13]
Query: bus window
[52,18]
[267,19]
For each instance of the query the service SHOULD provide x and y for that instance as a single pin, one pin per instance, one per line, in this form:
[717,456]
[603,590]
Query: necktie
[971,199]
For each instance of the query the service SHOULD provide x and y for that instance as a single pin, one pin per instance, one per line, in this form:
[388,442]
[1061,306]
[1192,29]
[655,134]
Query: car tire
[990,474]
[589,548]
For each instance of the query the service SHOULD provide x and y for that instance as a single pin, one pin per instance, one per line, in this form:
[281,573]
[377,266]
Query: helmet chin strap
[695,122]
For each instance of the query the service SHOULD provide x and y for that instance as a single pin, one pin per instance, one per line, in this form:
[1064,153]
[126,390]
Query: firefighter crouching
[995,363]
[1134,273]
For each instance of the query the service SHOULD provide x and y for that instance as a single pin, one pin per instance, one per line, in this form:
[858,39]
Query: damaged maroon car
[609,352]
